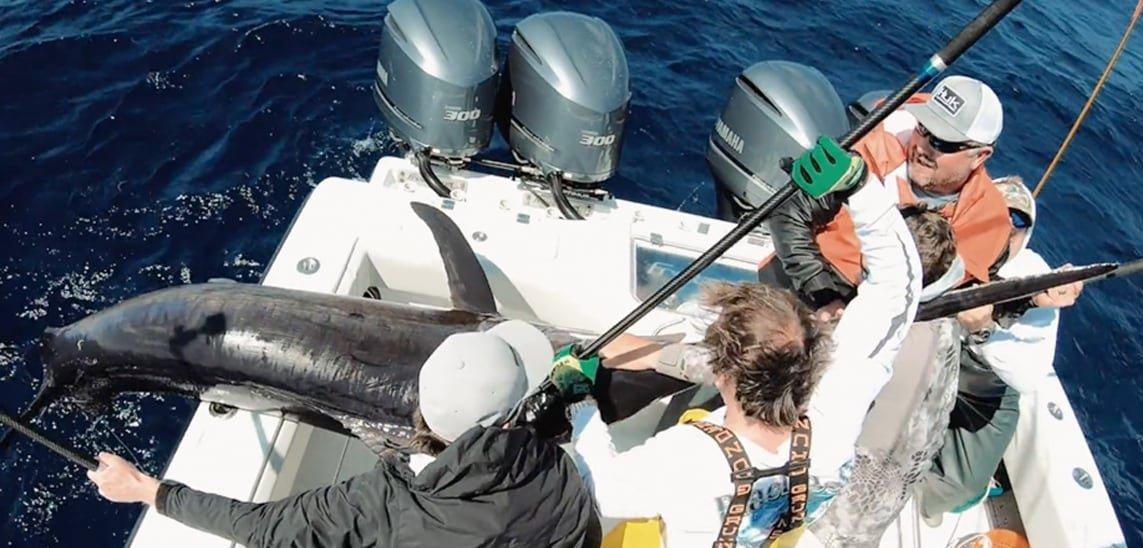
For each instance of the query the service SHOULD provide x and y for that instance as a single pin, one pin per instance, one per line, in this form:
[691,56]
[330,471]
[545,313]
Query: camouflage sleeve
[687,362]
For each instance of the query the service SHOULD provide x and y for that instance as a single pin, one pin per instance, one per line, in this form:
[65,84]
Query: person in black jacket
[802,268]
[488,486]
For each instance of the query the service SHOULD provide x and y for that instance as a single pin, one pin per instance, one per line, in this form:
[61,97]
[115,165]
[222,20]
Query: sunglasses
[943,146]
[1019,219]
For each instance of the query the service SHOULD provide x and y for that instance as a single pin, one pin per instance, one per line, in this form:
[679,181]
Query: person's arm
[876,321]
[351,513]
[626,485]
[1022,354]
[683,361]
[1021,351]
[792,229]
[873,326]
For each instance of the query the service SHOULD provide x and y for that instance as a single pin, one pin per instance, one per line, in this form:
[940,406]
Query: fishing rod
[31,433]
[1003,291]
[936,64]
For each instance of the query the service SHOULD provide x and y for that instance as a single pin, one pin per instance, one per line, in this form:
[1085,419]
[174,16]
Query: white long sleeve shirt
[681,475]
[1022,353]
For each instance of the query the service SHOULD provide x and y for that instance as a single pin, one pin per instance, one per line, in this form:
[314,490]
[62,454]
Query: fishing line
[1091,98]
[103,419]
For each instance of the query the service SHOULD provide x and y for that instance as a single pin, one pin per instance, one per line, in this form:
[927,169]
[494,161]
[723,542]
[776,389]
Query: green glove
[573,376]
[827,168]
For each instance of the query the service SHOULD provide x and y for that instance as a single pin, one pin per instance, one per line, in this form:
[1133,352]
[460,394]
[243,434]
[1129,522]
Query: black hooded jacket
[792,229]
[491,487]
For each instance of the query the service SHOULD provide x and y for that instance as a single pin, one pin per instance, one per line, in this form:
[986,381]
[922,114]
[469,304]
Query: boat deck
[365,238]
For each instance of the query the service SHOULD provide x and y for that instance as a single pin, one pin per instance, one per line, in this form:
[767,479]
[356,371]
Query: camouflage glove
[827,168]
[573,376]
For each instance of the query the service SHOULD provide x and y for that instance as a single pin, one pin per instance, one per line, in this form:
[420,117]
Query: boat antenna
[1091,98]
[936,64]
[66,452]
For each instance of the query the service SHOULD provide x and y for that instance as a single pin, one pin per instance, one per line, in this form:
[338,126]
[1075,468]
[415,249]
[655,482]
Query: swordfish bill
[1002,291]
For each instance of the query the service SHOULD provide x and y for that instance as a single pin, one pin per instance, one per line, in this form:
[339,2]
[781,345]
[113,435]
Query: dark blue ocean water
[147,144]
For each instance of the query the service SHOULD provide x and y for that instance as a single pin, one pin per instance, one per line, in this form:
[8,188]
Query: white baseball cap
[478,378]
[961,109]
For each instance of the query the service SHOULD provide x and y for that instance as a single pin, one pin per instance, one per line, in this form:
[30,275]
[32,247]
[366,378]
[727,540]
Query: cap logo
[948,100]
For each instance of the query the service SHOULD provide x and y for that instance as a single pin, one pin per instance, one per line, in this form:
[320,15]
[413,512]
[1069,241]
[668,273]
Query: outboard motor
[564,98]
[776,110]
[437,78]
[860,108]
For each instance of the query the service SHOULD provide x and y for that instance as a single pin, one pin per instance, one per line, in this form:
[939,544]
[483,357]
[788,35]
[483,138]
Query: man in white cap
[1009,357]
[932,151]
[479,484]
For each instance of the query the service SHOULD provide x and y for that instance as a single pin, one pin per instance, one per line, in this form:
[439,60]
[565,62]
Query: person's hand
[830,312]
[976,319]
[827,168]
[119,481]
[630,353]
[1061,296]
[573,376]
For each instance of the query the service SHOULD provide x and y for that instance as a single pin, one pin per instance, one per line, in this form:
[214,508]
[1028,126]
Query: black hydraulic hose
[936,64]
[34,435]
[424,165]
[556,181]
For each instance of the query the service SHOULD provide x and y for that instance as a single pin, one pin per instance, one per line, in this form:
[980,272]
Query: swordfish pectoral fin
[467,282]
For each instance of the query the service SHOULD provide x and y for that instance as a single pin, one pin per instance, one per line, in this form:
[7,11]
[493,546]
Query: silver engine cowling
[776,110]
[437,75]
[564,96]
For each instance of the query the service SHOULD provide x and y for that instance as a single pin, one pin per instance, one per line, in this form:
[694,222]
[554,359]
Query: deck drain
[1082,478]
[1055,410]
[309,265]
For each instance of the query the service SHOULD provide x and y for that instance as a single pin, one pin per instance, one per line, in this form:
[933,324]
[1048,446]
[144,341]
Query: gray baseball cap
[477,378]
[1017,195]
[961,109]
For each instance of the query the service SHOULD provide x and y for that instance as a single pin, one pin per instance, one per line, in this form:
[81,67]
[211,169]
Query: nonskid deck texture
[353,238]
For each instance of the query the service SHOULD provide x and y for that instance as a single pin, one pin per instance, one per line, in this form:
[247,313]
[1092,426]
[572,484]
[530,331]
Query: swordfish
[333,361]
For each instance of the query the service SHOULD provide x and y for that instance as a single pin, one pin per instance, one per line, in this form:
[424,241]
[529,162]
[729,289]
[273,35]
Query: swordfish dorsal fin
[467,283]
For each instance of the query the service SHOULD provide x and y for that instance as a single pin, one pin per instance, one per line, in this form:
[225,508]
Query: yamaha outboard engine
[437,78]
[564,99]
[776,110]
[858,109]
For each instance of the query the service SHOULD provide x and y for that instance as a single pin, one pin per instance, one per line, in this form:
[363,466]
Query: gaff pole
[936,64]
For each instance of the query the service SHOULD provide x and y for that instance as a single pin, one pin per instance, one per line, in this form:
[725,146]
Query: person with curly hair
[796,389]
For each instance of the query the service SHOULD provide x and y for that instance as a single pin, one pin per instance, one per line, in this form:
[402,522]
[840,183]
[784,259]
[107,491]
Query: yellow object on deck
[635,533]
[693,415]
[646,533]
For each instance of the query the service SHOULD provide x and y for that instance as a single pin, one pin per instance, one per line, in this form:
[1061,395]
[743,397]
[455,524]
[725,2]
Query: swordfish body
[315,355]
[333,361]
